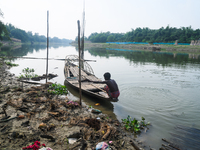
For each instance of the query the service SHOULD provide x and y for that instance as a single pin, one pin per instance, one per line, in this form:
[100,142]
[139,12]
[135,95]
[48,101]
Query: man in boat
[111,86]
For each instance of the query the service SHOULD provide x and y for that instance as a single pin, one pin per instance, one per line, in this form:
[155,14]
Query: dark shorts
[111,94]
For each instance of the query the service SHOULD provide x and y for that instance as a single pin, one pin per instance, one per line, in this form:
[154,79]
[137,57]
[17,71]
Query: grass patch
[58,89]
[134,125]
[28,73]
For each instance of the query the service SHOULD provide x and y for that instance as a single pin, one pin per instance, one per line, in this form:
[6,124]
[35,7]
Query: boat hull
[95,90]
[91,94]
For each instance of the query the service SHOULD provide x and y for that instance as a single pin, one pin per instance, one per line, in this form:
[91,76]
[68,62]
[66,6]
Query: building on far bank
[15,40]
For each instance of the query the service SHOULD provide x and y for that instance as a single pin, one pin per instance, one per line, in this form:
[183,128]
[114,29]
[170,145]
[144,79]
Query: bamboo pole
[79,50]
[47,44]
[44,58]
[83,30]
[82,37]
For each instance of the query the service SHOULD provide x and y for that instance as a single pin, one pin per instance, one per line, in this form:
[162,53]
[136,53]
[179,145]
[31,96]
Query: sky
[115,16]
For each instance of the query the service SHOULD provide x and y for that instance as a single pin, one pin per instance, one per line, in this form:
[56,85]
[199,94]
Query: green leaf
[127,127]
[143,118]
[135,121]
[137,126]
[136,129]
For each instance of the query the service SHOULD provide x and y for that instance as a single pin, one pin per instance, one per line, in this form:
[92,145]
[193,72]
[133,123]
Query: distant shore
[190,49]
[147,47]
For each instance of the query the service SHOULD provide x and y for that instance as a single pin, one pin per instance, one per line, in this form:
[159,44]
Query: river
[161,87]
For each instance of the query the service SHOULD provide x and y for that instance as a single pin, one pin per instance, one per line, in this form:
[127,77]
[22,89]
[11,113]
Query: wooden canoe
[71,71]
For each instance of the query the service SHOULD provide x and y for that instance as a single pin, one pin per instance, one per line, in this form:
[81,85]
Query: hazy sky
[116,16]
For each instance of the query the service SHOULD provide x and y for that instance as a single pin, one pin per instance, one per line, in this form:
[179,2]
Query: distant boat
[71,71]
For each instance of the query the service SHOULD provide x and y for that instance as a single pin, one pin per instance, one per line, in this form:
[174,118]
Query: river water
[161,87]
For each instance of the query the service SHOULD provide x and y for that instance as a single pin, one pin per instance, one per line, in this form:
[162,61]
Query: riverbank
[11,44]
[30,113]
[191,49]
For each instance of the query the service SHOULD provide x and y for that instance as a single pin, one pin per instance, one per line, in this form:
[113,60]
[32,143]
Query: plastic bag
[102,146]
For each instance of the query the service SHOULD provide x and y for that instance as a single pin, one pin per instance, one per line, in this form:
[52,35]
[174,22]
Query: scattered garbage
[96,111]
[98,118]
[46,148]
[102,146]
[72,140]
[72,104]
[42,125]
[35,146]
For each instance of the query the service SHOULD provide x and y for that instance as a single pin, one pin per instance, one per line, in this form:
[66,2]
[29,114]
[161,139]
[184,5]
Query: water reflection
[24,49]
[160,58]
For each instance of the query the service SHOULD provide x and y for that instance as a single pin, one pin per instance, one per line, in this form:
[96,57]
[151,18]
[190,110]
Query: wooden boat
[71,71]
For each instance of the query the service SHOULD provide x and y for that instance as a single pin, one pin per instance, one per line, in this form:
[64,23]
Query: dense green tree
[4,34]
[19,34]
[43,38]
[111,38]
[55,40]
[105,37]
[166,35]
[29,37]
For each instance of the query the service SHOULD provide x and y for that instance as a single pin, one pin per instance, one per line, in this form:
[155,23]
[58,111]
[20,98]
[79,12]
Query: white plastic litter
[46,148]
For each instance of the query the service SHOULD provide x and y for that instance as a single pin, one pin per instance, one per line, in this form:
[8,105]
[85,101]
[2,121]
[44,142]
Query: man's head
[107,76]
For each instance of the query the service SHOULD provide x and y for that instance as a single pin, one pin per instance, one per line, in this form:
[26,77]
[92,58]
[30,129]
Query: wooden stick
[107,133]
[46,58]
[29,82]
[134,145]
[47,44]
[79,49]
[4,111]
[7,119]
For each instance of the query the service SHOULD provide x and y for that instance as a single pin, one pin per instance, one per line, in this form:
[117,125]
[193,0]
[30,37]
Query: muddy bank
[30,113]
[192,49]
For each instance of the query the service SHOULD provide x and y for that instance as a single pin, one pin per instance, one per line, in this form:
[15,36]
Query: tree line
[30,37]
[162,35]
[3,31]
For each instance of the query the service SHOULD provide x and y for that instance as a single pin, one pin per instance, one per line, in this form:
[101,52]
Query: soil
[30,113]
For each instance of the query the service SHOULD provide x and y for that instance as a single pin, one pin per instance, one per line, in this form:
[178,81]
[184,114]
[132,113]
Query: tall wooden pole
[79,50]
[47,44]
[83,30]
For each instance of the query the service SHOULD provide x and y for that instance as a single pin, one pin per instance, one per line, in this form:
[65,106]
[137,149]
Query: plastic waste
[98,118]
[46,148]
[96,111]
[72,140]
[102,146]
